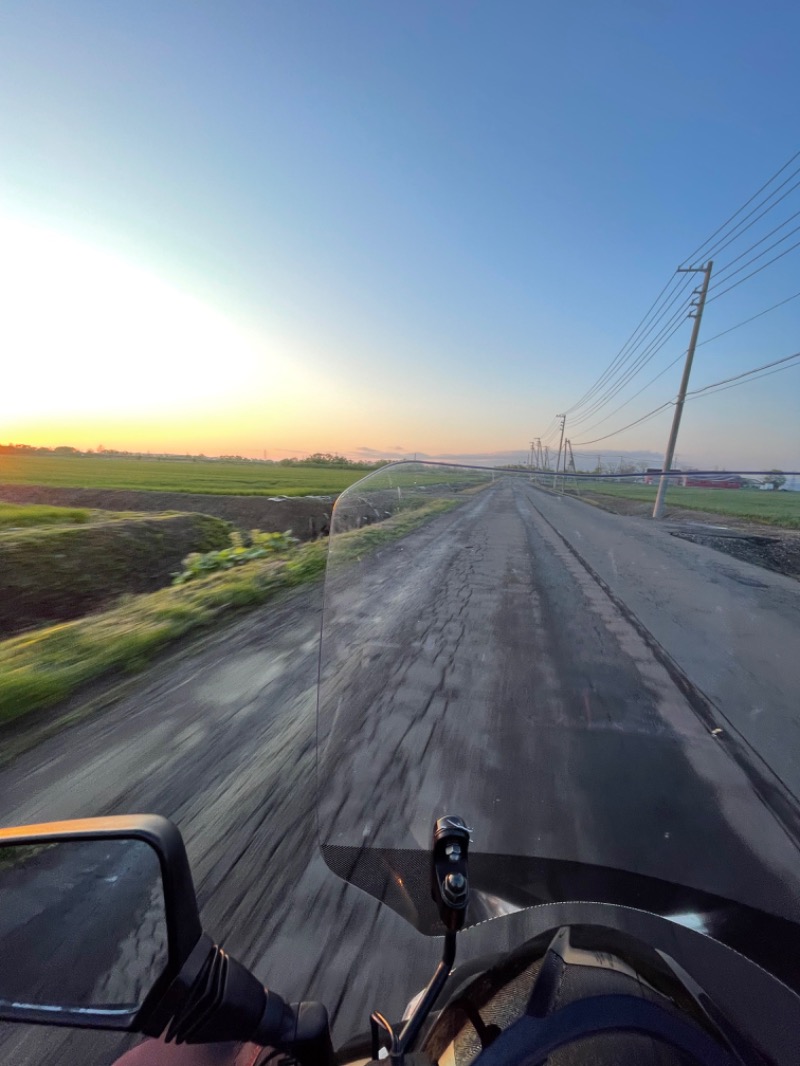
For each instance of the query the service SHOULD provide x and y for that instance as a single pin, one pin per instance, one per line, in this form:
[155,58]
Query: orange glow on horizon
[100,351]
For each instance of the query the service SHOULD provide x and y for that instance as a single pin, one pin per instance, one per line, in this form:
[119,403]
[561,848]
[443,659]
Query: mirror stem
[411,1029]
[215,998]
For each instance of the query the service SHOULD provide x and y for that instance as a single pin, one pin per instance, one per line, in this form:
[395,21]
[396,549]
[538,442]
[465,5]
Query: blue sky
[429,226]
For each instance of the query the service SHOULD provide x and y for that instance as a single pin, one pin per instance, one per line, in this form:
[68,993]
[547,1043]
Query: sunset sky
[384,228]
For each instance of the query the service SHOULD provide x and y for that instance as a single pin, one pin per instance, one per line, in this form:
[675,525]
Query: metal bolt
[453,852]
[456,882]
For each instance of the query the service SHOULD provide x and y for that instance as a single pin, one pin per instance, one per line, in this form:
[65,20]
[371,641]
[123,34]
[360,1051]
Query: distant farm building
[714,481]
[653,474]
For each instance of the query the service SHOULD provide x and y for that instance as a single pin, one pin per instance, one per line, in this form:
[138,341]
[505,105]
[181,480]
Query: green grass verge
[164,475]
[22,516]
[43,667]
[770,508]
[357,542]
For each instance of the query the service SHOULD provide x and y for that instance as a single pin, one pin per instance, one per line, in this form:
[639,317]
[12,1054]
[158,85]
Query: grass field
[23,516]
[771,508]
[219,478]
[42,667]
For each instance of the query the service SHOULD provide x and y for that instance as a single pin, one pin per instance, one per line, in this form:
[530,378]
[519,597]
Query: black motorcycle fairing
[765,1010]
[598,987]
[400,878]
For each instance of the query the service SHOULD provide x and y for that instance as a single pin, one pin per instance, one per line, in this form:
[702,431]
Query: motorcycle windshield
[609,702]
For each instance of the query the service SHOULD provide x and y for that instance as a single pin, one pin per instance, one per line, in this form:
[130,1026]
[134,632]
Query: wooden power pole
[658,510]
[560,448]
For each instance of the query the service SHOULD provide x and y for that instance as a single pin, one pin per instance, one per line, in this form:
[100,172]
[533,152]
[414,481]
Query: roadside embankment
[56,573]
[307,516]
[43,667]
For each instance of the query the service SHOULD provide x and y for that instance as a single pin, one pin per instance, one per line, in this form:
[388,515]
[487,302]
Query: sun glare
[99,350]
[90,337]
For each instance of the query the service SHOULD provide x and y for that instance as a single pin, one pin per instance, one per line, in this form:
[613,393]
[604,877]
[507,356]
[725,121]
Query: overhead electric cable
[625,374]
[753,274]
[673,281]
[644,418]
[695,254]
[651,334]
[666,334]
[736,384]
[652,381]
[677,359]
[744,266]
[775,230]
[744,374]
[740,229]
[786,363]
[738,325]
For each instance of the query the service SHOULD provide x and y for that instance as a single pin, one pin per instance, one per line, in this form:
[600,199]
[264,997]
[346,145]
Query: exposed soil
[766,546]
[307,516]
[777,551]
[56,573]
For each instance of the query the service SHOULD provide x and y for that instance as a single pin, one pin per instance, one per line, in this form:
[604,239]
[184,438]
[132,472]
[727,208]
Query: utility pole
[560,447]
[568,448]
[658,510]
[546,463]
[530,461]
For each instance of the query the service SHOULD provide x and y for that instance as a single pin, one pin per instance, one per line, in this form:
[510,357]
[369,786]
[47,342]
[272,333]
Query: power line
[745,374]
[655,346]
[740,229]
[719,229]
[620,356]
[682,354]
[638,350]
[644,418]
[745,322]
[643,360]
[652,381]
[761,241]
[636,457]
[550,425]
[622,349]
[625,374]
[744,266]
[717,386]
[736,384]
[549,435]
[753,274]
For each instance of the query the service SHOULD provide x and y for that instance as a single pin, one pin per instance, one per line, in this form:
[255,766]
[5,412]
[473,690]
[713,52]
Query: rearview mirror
[99,929]
[97,918]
